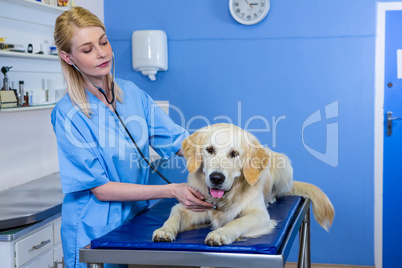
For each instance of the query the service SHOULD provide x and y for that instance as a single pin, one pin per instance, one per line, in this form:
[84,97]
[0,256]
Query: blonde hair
[77,17]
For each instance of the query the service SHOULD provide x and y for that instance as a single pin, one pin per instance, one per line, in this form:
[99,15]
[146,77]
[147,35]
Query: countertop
[30,202]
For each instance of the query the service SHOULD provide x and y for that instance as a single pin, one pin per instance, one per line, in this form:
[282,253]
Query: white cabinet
[33,245]
[43,261]
[58,256]
[57,249]
[37,248]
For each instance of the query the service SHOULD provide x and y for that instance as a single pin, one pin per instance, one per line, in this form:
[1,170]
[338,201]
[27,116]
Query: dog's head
[224,153]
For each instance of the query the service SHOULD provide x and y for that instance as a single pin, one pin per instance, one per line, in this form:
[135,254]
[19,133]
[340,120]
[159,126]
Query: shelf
[37,5]
[28,108]
[4,53]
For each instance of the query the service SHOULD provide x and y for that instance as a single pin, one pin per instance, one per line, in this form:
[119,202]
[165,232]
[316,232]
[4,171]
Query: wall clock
[249,12]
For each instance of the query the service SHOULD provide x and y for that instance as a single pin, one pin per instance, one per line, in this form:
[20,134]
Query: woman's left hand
[190,198]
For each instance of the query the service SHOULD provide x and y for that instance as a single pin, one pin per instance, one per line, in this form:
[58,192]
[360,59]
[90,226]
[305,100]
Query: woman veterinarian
[102,174]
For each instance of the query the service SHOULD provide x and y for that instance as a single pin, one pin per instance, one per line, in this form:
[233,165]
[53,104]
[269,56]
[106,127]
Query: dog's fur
[229,160]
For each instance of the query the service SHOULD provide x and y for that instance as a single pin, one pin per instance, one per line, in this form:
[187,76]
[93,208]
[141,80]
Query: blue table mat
[137,233]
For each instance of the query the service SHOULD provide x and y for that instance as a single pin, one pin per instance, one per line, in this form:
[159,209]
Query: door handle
[42,244]
[389,122]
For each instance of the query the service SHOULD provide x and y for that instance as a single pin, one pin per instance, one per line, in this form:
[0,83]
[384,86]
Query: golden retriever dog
[232,170]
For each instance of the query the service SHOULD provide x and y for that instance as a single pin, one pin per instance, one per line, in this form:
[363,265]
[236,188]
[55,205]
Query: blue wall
[304,56]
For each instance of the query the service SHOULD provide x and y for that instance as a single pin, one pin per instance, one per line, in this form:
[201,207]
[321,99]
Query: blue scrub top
[93,151]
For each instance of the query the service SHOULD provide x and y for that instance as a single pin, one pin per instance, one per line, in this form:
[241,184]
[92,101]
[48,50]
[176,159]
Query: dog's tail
[324,212]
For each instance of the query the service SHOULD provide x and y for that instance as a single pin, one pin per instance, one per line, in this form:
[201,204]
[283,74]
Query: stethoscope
[118,116]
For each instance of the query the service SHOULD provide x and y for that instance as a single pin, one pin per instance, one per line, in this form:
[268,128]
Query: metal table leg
[304,259]
[95,265]
[308,244]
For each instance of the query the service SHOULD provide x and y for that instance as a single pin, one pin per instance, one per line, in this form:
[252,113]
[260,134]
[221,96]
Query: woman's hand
[190,198]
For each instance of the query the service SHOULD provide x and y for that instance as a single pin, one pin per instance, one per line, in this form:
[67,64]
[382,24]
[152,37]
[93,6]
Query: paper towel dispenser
[150,52]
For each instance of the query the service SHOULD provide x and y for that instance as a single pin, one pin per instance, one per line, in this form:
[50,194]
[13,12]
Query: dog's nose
[217,178]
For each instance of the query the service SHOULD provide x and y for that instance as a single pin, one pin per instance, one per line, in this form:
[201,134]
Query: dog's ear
[192,151]
[257,160]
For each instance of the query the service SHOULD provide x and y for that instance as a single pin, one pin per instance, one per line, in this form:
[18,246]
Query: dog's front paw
[219,237]
[163,235]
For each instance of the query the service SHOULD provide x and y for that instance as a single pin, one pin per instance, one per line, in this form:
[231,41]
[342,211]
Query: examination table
[132,243]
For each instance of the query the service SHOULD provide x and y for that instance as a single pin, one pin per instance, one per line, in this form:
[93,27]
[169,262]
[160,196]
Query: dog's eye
[210,149]
[233,154]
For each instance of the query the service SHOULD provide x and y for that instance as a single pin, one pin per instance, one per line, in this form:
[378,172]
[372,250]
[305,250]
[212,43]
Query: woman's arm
[117,191]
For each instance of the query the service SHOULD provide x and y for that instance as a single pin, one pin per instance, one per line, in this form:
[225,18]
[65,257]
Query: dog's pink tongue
[216,193]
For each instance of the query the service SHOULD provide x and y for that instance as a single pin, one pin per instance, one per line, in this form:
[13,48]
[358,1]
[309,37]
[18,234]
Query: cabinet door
[34,245]
[58,255]
[43,261]
[56,231]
